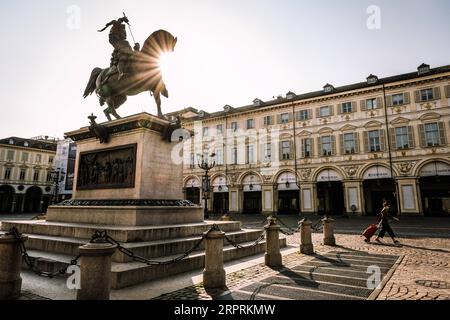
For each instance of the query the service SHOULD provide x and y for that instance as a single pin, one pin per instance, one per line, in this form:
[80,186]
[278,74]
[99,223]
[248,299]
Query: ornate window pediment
[285,136]
[430,116]
[304,133]
[326,130]
[400,120]
[348,127]
[373,124]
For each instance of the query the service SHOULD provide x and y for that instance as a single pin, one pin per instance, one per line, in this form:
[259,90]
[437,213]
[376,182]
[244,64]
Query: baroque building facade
[26,179]
[337,151]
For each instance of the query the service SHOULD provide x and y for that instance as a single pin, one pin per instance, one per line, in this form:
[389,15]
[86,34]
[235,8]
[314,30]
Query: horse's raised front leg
[115,114]
[106,112]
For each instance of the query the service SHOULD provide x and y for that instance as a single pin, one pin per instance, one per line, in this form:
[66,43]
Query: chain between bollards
[31,263]
[101,236]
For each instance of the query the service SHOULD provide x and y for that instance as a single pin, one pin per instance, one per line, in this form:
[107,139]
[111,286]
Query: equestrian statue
[132,70]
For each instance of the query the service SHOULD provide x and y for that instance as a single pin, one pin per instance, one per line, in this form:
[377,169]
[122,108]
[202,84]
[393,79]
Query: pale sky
[228,52]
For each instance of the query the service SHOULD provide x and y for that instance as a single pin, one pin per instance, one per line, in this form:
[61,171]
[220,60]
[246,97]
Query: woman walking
[384,223]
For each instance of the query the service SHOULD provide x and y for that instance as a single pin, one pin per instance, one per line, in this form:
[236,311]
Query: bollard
[328,232]
[10,266]
[95,260]
[306,245]
[273,255]
[214,273]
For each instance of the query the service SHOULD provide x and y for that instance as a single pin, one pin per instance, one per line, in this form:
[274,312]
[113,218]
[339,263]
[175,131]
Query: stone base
[329,241]
[10,290]
[273,260]
[214,279]
[307,248]
[125,216]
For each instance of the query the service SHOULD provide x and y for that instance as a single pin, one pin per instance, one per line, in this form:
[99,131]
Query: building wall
[353,170]
[25,189]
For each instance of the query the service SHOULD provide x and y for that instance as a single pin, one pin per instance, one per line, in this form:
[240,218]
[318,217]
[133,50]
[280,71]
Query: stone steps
[54,244]
[127,274]
[333,276]
[120,233]
[147,249]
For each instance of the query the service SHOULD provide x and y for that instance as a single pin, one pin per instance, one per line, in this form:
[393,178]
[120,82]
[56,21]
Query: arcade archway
[6,199]
[192,187]
[288,194]
[330,192]
[378,187]
[33,198]
[252,194]
[434,185]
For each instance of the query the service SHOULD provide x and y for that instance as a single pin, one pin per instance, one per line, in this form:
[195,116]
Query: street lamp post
[206,165]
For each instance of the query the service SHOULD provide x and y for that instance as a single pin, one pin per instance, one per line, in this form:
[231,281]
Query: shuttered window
[349,143]
[325,111]
[267,152]
[234,156]
[286,150]
[7,174]
[303,115]
[347,107]
[10,155]
[250,157]
[327,145]
[22,175]
[268,120]
[398,99]
[192,161]
[432,134]
[307,148]
[371,104]
[428,94]
[402,137]
[375,141]
[219,157]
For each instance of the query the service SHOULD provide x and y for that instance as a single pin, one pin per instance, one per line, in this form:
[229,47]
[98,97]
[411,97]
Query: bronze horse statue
[143,73]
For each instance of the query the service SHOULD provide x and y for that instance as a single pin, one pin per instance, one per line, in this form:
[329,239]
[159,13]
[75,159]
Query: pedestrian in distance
[384,225]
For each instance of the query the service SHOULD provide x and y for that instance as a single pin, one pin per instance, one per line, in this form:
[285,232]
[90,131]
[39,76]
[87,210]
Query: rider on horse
[122,49]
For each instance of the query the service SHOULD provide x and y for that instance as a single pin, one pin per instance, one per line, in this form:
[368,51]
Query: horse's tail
[90,88]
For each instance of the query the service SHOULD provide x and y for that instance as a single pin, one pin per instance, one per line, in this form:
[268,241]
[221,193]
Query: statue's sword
[129,28]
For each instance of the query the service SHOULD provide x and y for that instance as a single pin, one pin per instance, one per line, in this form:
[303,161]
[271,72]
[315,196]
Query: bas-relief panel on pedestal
[107,169]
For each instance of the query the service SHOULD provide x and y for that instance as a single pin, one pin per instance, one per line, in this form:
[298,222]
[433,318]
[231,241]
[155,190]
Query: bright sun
[164,61]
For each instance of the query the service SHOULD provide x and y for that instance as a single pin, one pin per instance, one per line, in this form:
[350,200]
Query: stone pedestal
[95,271]
[306,245]
[133,180]
[273,255]
[214,273]
[328,232]
[10,266]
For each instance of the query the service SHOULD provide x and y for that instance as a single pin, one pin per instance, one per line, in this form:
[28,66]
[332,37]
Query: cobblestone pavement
[423,273]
